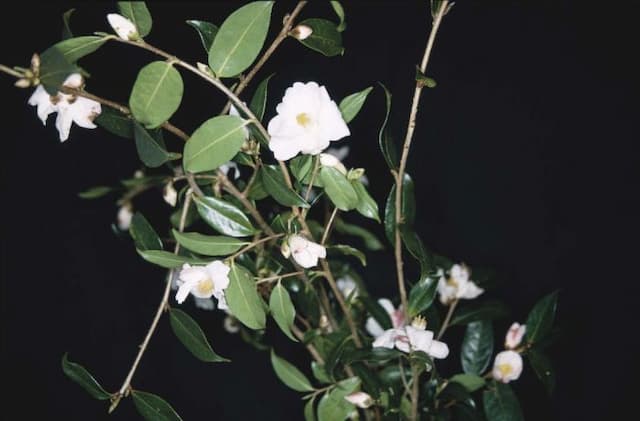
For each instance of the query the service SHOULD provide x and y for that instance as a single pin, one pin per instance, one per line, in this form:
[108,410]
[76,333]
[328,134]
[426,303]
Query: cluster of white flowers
[458,285]
[508,364]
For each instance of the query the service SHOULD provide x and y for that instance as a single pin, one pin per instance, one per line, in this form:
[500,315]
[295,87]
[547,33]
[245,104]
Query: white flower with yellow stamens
[204,282]
[457,285]
[306,253]
[507,366]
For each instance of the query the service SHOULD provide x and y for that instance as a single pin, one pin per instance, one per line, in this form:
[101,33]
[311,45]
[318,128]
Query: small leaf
[337,7]
[416,247]
[214,143]
[309,414]
[542,367]
[501,404]
[80,375]
[153,407]
[192,337]
[143,234]
[422,295]
[541,316]
[282,309]
[488,310]
[206,30]
[259,100]
[338,188]
[151,149]
[66,26]
[471,382]
[325,37]
[319,372]
[137,12]
[74,49]
[157,93]
[243,299]
[168,260]
[408,206]
[224,217]
[54,70]
[333,406]
[477,347]
[274,183]
[290,375]
[257,190]
[423,80]
[115,123]
[371,242]
[301,167]
[366,205]
[209,245]
[240,39]
[350,251]
[385,142]
[350,106]
[95,192]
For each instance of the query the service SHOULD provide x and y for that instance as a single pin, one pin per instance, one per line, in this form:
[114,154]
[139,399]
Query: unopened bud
[124,27]
[328,160]
[205,69]
[284,249]
[22,83]
[301,32]
[169,194]
[360,399]
[35,63]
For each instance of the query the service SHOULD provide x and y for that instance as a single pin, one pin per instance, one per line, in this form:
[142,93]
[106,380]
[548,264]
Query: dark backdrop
[523,159]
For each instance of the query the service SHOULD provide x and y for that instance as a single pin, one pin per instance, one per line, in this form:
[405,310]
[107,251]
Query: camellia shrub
[259,227]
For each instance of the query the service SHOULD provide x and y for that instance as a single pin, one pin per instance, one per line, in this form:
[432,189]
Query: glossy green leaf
[192,337]
[66,24]
[115,123]
[274,183]
[240,39]
[209,245]
[257,190]
[416,247]
[422,295]
[325,37]
[350,106]
[408,206]
[143,234]
[471,382]
[137,12]
[366,205]
[541,316]
[477,347]
[489,310]
[151,149]
[54,70]
[346,250]
[337,7]
[74,49]
[224,217]
[309,413]
[290,375]
[206,30]
[541,365]
[385,142]
[259,100]
[168,260]
[501,404]
[333,406]
[371,242]
[214,143]
[80,375]
[153,407]
[95,192]
[243,299]
[282,310]
[301,167]
[338,188]
[156,94]
[319,372]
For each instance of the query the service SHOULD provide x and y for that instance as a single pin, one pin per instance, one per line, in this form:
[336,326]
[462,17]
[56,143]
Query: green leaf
[192,337]
[209,245]
[325,37]
[257,191]
[424,80]
[477,347]
[206,30]
[153,407]
[301,167]
[338,188]
[541,316]
[542,367]
[350,106]
[319,372]
[282,309]
[80,375]
[74,49]
[137,12]
[376,311]
[151,149]
[385,142]
[290,375]
[501,404]
[156,94]
[274,183]
[95,192]
[243,299]
[66,27]
[488,310]
[471,382]
[115,123]
[422,295]
[350,251]
[143,234]
[54,70]
[168,260]
[371,355]
[416,247]
[366,205]
[371,242]
[215,142]
[224,217]
[333,406]
[337,7]
[309,414]
[408,207]
[240,39]
[259,100]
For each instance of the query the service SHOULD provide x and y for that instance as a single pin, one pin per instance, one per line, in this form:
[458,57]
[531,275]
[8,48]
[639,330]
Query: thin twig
[447,320]
[278,277]
[327,229]
[8,70]
[252,245]
[314,173]
[312,350]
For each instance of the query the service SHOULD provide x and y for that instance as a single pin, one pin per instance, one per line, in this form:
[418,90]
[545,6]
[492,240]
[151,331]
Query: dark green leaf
[116,123]
[224,217]
[371,242]
[192,337]
[541,316]
[290,375]
[243,299]
[465,412]
[471,382]
[206,30]
[422,295]
[350,251]
[325,37]
[371,355]
[542,367]
[338,188]
[333,406]
[319,372]
[282,310]
[309,413]
[301,167]
[416,247]
[257,190]
[168,260]
[214,143]
[54,70]
[376,311]
[350,106]
[488,310]
[501,404]
[274,183]
[157,93]
[66,27]
[74,49]
[153,407]
[477,347]
[337,7]
[95,192]
[143,234]
[137,12]
[385,142]
[408,206]
[80,375]
[366,205]
[151,149]
[209,245]
[259,100]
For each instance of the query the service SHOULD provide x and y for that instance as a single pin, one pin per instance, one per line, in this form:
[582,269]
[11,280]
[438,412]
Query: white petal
[460,273]
[514,335]
[125,215]
[340,153]
[373,327]
[74,81]
[305,258]
[387,305]
[439,349]
[183,291]
[470,291]
[386,340]
[419,339]
[317,249]
[84,111]
[507,366]
[63,123]
[42,100]
[123,26]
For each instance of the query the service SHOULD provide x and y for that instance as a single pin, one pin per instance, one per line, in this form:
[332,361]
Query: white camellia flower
[347,286]
[124,27]
[306,253]
[307,121]
[514,335]
[301,32]
[458,285]
[204,282]
[360,399]
[507,366]
[414,337]
[124,217]
[70,108]
[328,160]
[169,194]
[395,315]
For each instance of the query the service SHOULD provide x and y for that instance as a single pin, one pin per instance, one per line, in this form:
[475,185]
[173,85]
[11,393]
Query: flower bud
[204,69]
[231,324]
[124,27]
[169,194]
[284,249]
[22,83]
[328,160]
[125,214]
[355,174]
[360,399]
[35,63]
[301,32]
[514,335]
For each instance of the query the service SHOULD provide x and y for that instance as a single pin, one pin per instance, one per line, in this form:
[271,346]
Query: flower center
[452,282]
[205,287]
[303,119]
[505,369]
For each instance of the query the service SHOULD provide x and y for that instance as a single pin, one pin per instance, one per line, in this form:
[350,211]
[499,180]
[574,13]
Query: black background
[523,157]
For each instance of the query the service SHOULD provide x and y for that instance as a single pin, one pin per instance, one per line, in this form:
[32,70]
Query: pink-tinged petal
[386,340]
[514,335]
[360,399]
